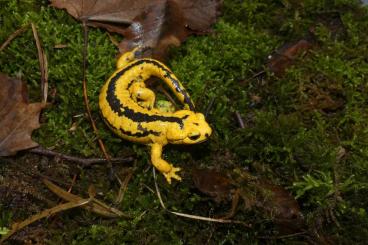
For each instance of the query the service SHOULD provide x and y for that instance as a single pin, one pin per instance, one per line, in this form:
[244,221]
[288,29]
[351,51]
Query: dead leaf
[272,201]
[281,207]
[213,183]
[150,23]
[286,55]
[18,117]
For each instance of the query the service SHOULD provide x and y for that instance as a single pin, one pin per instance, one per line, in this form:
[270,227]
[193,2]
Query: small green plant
[321,182]
[3,231]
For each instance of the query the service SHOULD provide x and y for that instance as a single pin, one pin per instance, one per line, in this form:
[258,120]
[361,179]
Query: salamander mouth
[194,137]
[201,141]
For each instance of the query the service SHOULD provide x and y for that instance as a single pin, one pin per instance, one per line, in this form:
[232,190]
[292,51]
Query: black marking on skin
[145,132]
[175,82]
[178,89]
[141,128]
[123,110]
[130,84]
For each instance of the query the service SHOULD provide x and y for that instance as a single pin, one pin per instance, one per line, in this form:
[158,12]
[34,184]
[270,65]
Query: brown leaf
[280,205]
[213,183]
[273,201]
[18,117]
[150,23]
[286,55]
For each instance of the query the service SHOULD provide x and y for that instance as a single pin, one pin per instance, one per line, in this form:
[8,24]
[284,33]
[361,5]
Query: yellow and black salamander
[127,107]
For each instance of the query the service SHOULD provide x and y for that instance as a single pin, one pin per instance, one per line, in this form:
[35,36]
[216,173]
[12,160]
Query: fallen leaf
[273,201]
[158,24]
[281,207]
[213,183]
[18,117]
[286,55]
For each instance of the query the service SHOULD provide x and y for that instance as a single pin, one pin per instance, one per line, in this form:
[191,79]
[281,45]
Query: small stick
[85,96]
[169,97]
[282,236]
[12,36]
[72,184]
[85,161]
[43,64]
[240,119]
[45,85]
[123,186]
[258,74]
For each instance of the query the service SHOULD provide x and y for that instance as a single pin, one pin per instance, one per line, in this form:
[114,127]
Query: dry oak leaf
[150,23]
[18,117]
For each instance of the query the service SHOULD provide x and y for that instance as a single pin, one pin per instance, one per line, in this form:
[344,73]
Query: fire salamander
[127,107]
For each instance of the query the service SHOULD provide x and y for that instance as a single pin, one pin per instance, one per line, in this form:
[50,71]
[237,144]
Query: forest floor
[284,85]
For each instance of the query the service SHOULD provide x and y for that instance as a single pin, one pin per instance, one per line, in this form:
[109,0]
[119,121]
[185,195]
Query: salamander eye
[194,137]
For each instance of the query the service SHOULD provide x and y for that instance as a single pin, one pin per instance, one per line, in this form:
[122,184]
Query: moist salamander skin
[127,107]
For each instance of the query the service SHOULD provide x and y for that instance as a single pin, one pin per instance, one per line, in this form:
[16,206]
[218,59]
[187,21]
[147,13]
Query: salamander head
[194,129]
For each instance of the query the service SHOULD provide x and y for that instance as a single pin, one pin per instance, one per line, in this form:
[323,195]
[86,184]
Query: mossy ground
[319,154]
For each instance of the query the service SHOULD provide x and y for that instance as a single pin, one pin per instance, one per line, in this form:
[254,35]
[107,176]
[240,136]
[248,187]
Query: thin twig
[240,119]
[12,36]
[85,96]
[282,236]
[45,85]
[169,97]
[257,74]
[123,186]
[85,161]
[43,64]
[72,184]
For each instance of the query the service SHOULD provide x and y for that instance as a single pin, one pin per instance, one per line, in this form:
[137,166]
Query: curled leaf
[151,23]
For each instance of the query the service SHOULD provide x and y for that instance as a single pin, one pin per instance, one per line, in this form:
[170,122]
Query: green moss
[318,151]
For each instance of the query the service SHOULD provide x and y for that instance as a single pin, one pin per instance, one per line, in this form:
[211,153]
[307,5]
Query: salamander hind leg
[145,97]
[167,169]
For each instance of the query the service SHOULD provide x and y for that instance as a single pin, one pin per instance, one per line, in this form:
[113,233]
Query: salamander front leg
[167,169]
